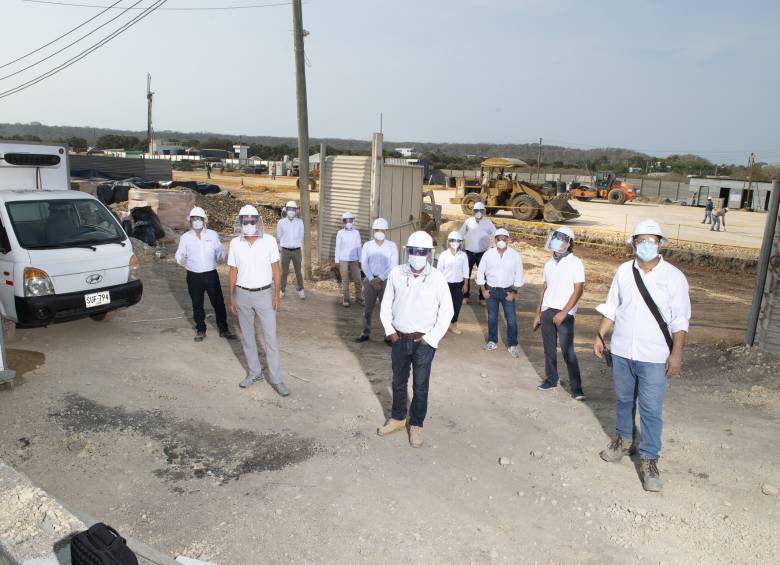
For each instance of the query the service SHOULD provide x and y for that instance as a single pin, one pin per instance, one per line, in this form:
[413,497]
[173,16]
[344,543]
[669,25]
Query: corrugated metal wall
[345,186]
[768,333]
[121,168]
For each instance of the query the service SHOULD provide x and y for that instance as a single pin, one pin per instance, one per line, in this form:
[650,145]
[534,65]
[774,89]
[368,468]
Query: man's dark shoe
[578,395]
[227,334]
[616,450]
[651,478]
[547,385]
[200,336]
[361,339]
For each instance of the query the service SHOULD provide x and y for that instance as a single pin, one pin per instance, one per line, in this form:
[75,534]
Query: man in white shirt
[199,251]
[416,311]
[646,350]
[348,257]
[476,232]
[499,275]
[564,282]
[255,280]
[289,231]
[378,257]
[454,265]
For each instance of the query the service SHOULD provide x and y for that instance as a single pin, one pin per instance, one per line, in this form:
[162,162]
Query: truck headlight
[37,282]
[134,273]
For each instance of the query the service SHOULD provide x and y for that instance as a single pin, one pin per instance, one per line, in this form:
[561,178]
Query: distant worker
[208,170]
[708,211]
[719,217]
[378,257]
[255,283]
[476,232]
[499,275]
[289,231]
[348,257]
[454,265]
[273,171]
[564,282]
[416,310]
[199,252]
[650,308]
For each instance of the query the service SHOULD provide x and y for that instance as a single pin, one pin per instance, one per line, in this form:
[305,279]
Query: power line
[72,43]
[55,40]
[73,60]
[186,9]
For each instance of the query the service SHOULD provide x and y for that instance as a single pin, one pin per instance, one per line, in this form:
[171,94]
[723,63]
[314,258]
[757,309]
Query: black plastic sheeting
[146,225]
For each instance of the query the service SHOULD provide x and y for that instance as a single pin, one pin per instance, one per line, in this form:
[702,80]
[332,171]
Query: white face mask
[249,229]
[197,224]
[291,214]
[348,226]
[418,262]
[379,236]
[501,244]
[454,245]
[478,215]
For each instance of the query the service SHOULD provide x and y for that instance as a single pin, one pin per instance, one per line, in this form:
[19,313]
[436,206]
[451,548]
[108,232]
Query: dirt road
[132,422]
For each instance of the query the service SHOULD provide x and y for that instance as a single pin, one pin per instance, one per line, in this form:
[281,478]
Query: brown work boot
[415,436]
[390,427]
[616,450]
[651,478]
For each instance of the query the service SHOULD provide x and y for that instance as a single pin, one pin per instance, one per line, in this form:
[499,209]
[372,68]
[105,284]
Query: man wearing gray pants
[348,257]
[289,231]
[255,280]
[377,259]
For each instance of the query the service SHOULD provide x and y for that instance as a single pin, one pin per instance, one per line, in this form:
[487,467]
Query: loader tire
[616,196]
[524,208]
[467,204]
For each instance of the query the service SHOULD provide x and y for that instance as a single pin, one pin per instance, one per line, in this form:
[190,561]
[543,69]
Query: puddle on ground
[192,448]
[22,361]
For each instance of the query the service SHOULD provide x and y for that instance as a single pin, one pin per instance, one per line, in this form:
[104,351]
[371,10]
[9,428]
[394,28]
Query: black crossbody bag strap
[653,308]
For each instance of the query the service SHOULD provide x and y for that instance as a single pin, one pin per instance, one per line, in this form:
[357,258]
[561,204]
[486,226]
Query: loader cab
[604,179]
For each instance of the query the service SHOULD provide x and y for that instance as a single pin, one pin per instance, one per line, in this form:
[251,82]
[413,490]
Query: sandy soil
[132,422]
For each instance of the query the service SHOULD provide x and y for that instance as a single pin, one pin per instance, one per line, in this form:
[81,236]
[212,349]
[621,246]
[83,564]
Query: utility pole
[303,134]
[539,161]
[751,166]
[149,97]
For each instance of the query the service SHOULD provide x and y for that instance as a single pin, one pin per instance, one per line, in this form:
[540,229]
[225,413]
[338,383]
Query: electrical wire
[73,60]
[55,40]
[189,9]
[72,43]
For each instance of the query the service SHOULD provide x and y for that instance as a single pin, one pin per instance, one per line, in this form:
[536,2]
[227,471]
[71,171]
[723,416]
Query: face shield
[250,225]
[502,241]
[291,213]
[417,260]
[197,222]
[646,246]
[454,244]
[557,242]
[348,224]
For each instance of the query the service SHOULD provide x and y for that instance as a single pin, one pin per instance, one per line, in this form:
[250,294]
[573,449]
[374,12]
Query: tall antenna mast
[149,98]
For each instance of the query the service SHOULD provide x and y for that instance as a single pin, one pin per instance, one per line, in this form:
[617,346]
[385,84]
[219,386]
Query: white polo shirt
[477,234]
[455,268]
[290,233]
[636,335]
[347,245]
[253,261]
[560,277]
[500,271]
[200,254]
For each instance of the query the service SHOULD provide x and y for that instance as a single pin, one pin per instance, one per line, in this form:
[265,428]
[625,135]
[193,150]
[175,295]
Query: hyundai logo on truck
[94,278]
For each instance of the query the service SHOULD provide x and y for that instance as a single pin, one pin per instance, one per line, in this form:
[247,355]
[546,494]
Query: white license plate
[97,299]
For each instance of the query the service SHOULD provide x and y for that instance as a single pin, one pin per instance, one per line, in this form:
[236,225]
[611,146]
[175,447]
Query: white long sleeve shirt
[500,271]
[454,267]
[200,254]
[636,335]
[290,233]
[417,304]
[477,234]
[560,277]
[347,245]
[377,260]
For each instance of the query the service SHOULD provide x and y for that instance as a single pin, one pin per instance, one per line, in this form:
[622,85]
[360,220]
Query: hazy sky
[654,75]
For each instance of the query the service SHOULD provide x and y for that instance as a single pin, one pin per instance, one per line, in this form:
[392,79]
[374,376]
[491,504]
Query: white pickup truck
[63,255]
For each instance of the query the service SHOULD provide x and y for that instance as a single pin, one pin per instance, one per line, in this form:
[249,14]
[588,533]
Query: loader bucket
[559,210]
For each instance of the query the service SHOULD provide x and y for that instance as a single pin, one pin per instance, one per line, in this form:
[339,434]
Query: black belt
[505,289]
[266,287]
[412,336]
[291,248]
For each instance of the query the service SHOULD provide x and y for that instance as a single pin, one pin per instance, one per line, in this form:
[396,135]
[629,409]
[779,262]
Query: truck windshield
[49,224]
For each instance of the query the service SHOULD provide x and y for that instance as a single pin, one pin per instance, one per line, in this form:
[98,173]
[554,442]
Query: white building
[241,152]
[406,151]
[736,193]
[167,148]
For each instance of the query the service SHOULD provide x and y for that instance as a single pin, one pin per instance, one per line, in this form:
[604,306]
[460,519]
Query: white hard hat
[380,224]
[248,210]
[567,231]
[455,235]
[479,205]
[709,198]
[291,204]
[501,231]
[648,226]
[420,239]
[347,216]
[197,212]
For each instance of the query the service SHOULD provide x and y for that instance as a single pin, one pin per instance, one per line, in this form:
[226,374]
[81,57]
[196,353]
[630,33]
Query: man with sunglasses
[499,275]
[255,283]
[646,350]
[416,312]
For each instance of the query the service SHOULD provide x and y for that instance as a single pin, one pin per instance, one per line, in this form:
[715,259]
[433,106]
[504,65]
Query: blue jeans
[499,297]
[716,223]
[707,216]
[408,354]
[563,334]
[644,382]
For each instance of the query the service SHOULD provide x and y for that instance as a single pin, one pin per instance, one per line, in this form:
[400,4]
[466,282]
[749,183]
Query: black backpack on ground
[100,545]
